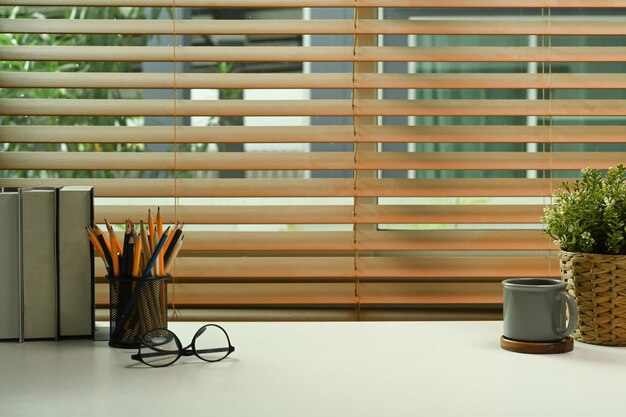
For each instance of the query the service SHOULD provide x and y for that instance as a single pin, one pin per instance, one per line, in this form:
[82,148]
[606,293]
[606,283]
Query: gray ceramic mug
[534,310]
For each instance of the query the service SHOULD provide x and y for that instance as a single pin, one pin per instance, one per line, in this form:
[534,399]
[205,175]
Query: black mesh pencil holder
[137,306]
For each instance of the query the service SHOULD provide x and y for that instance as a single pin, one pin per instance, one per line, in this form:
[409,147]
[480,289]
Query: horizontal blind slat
[459,240]
[186,3]
[277,134]
[468,267]
[330,214]
[491,54]
[423,240]
[182,53]
[162,107]
[321,107]
[474,134]
[297,80]
[232,214]
[269,241]
[450,214]
[328,3]
[225,187]
[167,161]
[251,294]
[489,160]
[189,269]
[465,187]
[326,26]
[462,187]
[509,107]
[432,294]
[474,268]
[314,54]
[492,3]
[184,134]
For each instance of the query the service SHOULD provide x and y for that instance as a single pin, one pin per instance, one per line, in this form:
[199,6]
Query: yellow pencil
[115,243]
[115,248]
[94,242]
[151,231]
[98,247]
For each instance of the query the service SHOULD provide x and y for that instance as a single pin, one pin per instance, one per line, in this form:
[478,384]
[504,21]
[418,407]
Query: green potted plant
[587,220]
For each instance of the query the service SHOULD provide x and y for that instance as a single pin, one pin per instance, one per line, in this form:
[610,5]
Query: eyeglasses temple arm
[229,349]
[138,356]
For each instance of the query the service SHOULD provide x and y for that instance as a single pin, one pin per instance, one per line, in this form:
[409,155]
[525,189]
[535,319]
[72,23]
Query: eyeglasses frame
[188,350]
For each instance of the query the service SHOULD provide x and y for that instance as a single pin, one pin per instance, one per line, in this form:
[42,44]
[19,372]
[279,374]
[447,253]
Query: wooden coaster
[562,346]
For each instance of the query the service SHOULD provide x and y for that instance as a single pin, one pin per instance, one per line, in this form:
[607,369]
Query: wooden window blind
[343,160]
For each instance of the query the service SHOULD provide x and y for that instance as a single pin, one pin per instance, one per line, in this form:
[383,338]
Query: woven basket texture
[599,284]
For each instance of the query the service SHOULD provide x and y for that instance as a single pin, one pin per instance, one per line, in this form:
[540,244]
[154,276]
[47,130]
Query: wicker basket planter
[599,284]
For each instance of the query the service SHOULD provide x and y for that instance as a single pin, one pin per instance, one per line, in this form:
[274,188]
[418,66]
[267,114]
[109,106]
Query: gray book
[38,267]
[9,266]
[76,262]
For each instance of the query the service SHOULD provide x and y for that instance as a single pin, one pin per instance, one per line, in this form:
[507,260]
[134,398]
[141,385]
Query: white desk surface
[318,369]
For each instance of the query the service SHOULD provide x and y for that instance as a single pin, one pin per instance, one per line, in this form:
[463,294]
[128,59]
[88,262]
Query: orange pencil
[115,243]
[100,243]
[115,248]
[94,242]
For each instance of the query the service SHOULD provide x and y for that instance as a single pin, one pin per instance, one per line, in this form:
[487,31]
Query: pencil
[106,249]
[173,243]
[159,223]
[136,255]
[98,232]
[172,258]
[145,246]
[159,233]
[151,231]
[168,242]
[129,258]
[155,254]
[124,268]
[115,243]
[140,283]
[98,248]
[116,249]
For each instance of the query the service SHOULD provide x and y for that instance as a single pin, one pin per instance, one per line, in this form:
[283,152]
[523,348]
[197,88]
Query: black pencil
[105,249]
[124,264]
[172,244]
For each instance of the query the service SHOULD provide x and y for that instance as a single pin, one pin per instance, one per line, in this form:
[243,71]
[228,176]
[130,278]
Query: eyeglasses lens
[159,348]
[211,343]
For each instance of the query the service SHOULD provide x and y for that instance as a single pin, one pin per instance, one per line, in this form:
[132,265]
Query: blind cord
[355,134]
[548,119]
[175,173]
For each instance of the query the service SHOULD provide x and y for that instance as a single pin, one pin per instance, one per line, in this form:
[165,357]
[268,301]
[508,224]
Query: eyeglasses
[161,347]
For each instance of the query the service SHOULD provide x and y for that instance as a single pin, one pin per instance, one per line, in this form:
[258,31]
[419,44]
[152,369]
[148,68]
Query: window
[332,160]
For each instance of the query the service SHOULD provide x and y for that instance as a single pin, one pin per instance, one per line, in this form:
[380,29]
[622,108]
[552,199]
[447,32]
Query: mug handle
[573,314]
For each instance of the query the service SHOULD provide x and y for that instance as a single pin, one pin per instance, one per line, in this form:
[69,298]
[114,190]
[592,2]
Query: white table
[318,369]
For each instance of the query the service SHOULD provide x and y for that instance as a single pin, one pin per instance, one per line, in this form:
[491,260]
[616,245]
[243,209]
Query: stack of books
[46,263]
